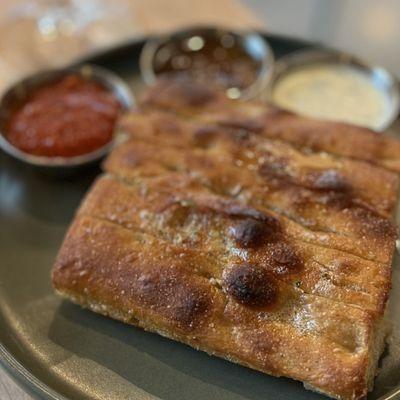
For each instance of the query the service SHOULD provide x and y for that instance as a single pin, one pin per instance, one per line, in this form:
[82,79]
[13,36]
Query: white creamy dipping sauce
[332,92]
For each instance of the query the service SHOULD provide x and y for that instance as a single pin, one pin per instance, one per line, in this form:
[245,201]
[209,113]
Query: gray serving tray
[59,351]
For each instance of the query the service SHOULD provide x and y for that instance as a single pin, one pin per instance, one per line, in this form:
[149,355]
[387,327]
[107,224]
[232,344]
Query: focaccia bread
[308,134]
[238,242]
[348,200]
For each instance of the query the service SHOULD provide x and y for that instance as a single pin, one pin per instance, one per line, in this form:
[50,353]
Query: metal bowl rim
[264,74]
[308,57]
[116,85]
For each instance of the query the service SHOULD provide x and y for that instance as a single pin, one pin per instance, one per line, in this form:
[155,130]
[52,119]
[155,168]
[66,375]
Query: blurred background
[39,33]
[367,28]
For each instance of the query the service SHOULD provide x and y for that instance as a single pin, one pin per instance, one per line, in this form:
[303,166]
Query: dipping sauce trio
[74,115]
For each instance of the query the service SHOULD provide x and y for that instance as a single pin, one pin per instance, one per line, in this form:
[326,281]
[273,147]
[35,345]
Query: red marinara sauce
[70,117]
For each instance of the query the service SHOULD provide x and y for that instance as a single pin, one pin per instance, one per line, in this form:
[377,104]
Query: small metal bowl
[251,44]
[20,91]
[380,78]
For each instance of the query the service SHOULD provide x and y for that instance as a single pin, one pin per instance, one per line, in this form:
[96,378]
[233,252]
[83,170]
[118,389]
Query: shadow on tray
[164,368]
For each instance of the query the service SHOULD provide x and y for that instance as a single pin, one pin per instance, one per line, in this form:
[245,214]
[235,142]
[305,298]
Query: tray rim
[9,363]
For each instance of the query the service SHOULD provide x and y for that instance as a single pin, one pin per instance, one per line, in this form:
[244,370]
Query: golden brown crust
[209,232]
[307,134]
[179,216]
[371,186]
[325,212]
[320,342]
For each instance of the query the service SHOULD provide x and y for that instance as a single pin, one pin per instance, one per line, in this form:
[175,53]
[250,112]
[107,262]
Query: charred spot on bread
[252,233]
[329,179]
[234,209]
[285,258]
[203,136]
[274,169]
[243,124]
[249,285]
